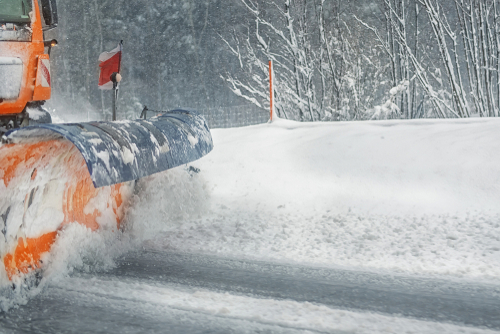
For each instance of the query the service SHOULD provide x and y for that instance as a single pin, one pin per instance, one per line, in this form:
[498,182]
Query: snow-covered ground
[407,197]
[419,197]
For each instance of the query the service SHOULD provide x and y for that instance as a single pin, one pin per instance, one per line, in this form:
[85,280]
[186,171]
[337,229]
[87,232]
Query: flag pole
[115,78]
[114,100]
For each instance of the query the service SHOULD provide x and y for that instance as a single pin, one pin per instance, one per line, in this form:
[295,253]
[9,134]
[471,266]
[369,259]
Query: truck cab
[25,81]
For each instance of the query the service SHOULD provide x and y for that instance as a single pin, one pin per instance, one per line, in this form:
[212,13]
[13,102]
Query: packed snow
[157,300]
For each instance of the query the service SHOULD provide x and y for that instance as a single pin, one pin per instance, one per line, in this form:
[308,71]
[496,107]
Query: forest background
[333,60]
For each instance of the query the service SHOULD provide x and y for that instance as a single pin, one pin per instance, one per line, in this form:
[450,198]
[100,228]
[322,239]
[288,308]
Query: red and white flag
[109,62]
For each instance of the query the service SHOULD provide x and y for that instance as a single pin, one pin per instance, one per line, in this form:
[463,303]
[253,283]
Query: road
[151,291]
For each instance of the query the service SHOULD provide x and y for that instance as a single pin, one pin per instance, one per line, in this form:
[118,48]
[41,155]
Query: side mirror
[49,11]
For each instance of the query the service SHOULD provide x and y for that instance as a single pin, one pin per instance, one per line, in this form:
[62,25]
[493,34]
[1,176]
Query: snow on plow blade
[116,152]
[53,175]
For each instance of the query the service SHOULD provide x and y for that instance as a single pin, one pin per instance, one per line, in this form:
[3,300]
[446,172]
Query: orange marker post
[271,93]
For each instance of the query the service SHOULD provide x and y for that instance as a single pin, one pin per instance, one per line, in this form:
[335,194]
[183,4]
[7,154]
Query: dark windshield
[15,11]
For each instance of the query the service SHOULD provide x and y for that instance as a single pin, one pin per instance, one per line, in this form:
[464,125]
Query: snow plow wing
[117,152]
[54,175]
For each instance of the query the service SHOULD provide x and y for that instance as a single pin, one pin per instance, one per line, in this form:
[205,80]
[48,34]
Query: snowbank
[412,196]
[385,167]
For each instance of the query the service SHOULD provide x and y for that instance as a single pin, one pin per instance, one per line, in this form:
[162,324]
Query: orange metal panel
[28,52]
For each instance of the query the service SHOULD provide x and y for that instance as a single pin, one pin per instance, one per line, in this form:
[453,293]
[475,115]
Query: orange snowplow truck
[25,82]
[54,175]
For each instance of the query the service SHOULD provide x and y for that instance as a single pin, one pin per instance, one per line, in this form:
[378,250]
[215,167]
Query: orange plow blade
[52,175]
[43,187]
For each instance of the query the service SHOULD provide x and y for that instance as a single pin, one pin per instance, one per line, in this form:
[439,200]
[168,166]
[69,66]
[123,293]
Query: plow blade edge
[117,152]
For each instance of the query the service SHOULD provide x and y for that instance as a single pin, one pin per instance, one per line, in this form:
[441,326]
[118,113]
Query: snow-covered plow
[55,174]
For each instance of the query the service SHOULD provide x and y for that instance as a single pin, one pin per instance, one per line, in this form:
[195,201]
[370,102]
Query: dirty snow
[35,113]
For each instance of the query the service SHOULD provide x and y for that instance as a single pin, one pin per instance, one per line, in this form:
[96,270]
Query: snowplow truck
[25,81]
[55,175]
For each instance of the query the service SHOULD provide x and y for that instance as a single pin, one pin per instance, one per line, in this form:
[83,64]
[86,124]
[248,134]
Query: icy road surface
[361,227]
[167,292]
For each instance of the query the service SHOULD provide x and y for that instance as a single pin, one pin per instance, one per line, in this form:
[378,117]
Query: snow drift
[419,197]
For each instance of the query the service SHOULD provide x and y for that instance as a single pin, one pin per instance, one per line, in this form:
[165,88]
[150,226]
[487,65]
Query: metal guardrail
[235,116]
[224,117]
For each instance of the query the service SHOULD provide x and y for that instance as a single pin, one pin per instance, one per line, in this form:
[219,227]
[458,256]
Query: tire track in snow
[434,299]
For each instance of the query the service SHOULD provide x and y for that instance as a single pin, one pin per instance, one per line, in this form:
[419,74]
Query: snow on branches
[445,57]
[319,73]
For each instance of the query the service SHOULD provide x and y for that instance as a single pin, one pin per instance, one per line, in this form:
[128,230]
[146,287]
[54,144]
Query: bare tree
[320,72]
